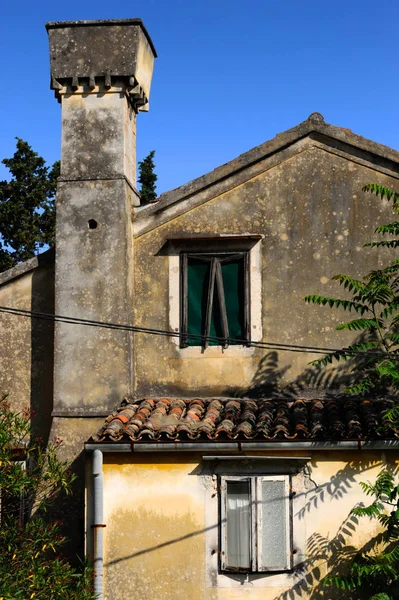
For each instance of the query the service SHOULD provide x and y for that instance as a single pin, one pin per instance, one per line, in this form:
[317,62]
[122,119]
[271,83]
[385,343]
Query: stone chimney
[101,73]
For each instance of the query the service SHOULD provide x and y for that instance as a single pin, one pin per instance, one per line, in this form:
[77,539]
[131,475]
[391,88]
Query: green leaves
[337,303]
[31,561]
[360,324]
[382,192]
[374,574]
[27,208]
[375,299]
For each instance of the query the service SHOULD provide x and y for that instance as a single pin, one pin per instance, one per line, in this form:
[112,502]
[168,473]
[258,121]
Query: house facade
[218,463]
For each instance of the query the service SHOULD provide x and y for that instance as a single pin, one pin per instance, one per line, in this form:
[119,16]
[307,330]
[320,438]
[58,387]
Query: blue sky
[230,75]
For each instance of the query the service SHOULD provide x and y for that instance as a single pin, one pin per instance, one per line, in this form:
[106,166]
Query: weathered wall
[314,217]
[157,523]
[27,345]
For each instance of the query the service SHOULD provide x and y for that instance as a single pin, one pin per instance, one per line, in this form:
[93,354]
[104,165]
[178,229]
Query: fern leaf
[389,228]
[381,191]
[387,312]
[349,283]
[337,303]
[389,368]
[362,388]
[343,583]
[360,324]
[383,244]
[364,347]
[392,415]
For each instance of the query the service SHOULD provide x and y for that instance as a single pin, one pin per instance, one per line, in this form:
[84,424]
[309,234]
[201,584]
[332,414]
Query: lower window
[256,529]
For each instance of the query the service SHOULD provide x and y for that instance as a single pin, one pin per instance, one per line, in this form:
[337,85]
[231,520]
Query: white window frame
[256,523]
[255,295]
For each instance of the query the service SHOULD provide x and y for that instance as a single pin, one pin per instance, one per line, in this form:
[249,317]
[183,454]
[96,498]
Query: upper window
[256,531]
[214,299]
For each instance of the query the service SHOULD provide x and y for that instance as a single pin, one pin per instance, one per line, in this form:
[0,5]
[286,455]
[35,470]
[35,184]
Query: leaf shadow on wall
[334,555]
[270,379]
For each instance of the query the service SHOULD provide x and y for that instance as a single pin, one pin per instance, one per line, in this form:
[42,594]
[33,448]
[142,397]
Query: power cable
[162,332]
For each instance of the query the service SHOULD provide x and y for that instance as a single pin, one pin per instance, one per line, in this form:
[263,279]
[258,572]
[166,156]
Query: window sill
[216,352]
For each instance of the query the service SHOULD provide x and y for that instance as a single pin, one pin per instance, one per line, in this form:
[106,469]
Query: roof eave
[240,447]
[28,265]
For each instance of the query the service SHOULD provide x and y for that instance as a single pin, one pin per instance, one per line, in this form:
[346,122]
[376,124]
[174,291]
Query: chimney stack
[101,73]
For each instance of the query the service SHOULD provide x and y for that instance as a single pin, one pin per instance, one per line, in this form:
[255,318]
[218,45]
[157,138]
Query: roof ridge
[314,123]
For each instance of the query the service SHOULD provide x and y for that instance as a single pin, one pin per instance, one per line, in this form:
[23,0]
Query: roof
[31,264]
[176,419]
[314,124]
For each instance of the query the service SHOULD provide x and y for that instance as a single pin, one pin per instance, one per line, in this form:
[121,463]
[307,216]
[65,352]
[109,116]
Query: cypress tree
[27,206]
[147,179]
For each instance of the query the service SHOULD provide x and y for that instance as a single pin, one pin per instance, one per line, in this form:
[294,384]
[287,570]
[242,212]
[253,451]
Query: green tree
[147,179]
[27,207]
[375,302]
[32,479]
[375,573]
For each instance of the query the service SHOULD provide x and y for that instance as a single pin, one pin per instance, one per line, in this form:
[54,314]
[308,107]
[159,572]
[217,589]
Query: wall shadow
[270,379]
[333,556]
[42,347]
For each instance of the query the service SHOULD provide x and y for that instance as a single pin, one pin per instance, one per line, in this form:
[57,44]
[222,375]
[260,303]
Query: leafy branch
[375,301]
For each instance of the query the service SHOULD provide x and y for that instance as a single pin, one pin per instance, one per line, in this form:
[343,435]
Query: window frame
[255,482]
[215,278]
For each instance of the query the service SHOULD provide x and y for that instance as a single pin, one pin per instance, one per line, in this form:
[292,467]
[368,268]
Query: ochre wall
[27,345]
[155,512]
[314,217]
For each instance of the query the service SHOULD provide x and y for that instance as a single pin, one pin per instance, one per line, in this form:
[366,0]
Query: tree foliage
[375,574]
[27,207]
[374,299]
[375,302]
[147,178]
[32,479]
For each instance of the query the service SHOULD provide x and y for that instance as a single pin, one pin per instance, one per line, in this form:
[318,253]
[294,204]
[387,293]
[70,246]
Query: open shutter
[274,551]
[236,517]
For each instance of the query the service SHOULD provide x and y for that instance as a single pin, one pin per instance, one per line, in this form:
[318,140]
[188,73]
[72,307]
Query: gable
[313,132]
[307,210]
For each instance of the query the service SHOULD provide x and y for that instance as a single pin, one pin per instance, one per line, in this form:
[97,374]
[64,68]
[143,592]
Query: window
[214,299]
[256,530]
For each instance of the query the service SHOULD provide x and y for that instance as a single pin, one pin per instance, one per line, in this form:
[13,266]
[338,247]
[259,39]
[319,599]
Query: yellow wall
[155,511]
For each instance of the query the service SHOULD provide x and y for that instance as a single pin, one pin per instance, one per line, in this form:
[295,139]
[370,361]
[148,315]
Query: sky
[229,74]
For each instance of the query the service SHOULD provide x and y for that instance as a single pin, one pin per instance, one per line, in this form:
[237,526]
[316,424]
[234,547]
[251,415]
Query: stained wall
[161,530]
[313,217]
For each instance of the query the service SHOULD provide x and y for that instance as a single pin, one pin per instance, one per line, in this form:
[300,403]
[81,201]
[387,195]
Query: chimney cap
[102,22]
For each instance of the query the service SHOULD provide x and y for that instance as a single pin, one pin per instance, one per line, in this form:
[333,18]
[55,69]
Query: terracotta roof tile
[244,419]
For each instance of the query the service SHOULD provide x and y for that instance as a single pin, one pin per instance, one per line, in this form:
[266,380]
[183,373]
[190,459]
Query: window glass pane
[274,525]
[197,289]
[238,525]
[198,271]
[233,281]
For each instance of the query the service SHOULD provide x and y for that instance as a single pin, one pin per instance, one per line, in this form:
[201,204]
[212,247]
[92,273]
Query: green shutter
[198,271]
[197,290]
[233,282]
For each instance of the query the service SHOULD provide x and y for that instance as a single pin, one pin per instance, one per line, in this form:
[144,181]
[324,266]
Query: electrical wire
[162,332]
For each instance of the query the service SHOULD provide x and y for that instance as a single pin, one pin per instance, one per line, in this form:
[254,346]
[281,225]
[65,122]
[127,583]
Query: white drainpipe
[98,525]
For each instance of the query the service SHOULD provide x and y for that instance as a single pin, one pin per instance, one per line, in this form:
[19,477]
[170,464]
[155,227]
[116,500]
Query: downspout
[98,525]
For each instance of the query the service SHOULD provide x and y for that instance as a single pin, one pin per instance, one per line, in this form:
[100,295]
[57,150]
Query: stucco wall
[27,345]
[314,219]
[158,524]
